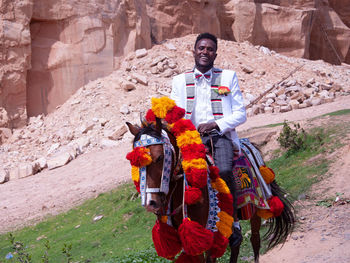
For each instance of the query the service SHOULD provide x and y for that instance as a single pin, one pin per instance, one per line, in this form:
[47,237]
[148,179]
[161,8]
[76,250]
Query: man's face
[205,53]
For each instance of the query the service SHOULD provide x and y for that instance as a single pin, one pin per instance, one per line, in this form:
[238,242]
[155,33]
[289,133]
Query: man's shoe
[236,238]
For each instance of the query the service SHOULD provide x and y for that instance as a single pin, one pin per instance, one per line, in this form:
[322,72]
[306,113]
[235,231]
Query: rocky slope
[93,118]
[49,49]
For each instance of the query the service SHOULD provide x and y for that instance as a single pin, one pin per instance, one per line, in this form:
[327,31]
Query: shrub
[292,140]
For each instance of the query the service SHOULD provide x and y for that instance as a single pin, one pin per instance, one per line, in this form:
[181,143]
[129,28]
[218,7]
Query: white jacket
[232,104]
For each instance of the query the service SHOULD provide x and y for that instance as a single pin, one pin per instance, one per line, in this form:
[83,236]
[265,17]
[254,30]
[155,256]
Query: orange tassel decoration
[166,240]
[267,173]
[264,213]
[195,238]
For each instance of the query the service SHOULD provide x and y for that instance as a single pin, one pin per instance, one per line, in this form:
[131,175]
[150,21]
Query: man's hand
[207,127]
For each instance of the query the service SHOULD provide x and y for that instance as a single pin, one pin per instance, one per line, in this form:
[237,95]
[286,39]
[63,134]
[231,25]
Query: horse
[171,203]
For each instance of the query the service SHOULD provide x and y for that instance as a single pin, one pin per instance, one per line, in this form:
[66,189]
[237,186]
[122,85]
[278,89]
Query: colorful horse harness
[147,140]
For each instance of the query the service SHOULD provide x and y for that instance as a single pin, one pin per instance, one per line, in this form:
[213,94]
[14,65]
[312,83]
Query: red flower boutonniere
[223,90]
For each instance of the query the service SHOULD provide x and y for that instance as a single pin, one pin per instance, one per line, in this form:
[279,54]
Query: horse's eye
[160,158]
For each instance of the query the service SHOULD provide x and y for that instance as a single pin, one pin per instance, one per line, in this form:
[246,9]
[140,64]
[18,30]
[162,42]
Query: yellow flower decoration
[198,163]
[220,186]
[135,174]
[161,106]
[224,229]
[188,137]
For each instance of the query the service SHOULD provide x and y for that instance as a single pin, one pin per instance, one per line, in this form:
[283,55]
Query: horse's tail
[281,226]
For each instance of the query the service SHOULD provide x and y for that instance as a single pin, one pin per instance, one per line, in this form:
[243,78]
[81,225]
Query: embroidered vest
[216,103]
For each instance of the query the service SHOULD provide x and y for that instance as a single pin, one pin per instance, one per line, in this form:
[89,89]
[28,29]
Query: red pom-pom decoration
[166,240]
[182,126]
[276,205]
[139,157]
[174,115]
[195,238]
[213,172]
[196,177]
[185,258]
[150,117]
[219,246]
[193,151]
[225,203]
[192,195]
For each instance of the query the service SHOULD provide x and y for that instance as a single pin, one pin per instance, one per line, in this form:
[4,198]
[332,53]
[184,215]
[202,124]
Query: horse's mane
[150,130]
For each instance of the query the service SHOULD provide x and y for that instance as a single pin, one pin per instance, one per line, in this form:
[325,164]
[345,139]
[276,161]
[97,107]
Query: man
[215,115]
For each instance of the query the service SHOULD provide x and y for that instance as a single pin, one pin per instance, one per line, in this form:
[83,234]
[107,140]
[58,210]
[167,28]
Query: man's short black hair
[208,36]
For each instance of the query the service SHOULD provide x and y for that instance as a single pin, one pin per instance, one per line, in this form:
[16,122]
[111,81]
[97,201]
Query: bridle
[147,140]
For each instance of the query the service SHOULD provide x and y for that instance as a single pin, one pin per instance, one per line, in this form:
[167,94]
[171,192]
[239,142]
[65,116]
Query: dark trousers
[223,158]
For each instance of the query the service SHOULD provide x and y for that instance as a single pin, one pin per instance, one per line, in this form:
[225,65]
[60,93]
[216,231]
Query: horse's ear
[134,129]
[159,125]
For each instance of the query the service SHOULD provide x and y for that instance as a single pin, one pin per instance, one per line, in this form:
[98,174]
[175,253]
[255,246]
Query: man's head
[205,51]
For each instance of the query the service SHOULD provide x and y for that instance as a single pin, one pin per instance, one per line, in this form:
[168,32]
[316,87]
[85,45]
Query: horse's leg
[234,253]
[255,223]
[209,259]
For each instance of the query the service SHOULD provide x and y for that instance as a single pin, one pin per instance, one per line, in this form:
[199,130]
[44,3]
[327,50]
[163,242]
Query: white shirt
[202,110]
[233,108]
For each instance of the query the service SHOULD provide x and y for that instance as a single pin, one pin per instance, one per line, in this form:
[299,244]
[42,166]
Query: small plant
[20,250]
[45,256]
[66,250]
[292,140]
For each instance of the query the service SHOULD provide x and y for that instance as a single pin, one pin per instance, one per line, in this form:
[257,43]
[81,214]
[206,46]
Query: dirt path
[323,237]
[50,192]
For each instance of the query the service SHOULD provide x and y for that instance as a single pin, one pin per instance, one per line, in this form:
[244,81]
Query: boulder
[108,143]
[4,175]
[117,133]
[140,78]
[140,53]
[59,160]
[39,165]
[25,170]
[128,86]
[5,134]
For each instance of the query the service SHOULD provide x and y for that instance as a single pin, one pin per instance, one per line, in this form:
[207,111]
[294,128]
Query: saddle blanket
[251,190]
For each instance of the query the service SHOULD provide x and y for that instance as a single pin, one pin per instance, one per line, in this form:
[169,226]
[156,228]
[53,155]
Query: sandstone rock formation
[51,48]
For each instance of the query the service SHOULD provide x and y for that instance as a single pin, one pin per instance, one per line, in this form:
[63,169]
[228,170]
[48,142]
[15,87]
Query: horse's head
[154,178]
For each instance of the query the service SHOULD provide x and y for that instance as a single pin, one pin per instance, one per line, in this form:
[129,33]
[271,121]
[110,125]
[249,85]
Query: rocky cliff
[51,48]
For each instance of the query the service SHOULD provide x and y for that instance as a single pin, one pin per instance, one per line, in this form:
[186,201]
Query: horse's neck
[175,201]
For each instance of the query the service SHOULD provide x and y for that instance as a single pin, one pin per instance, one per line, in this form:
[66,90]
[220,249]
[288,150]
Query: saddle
[252,191]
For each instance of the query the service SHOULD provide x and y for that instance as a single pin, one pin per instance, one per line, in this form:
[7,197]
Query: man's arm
[177,91]
[238,112]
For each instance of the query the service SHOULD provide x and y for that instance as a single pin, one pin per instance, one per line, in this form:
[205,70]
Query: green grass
[294,171]
[338,113]
[273,125]
[125,227]
[123,235]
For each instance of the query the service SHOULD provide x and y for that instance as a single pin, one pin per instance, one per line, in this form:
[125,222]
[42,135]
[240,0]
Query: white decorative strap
[147,140]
